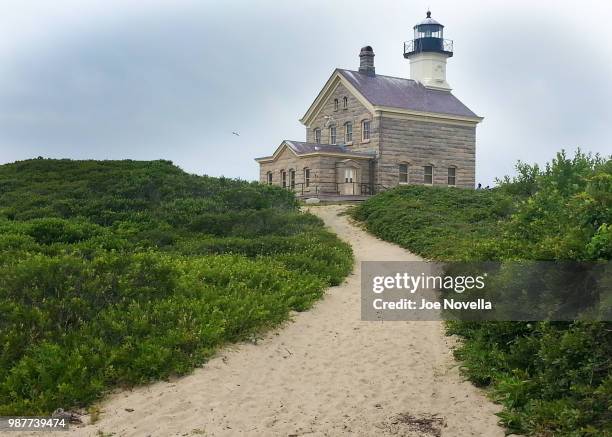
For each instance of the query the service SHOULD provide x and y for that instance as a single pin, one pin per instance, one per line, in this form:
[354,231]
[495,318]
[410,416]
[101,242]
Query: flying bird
[236,133]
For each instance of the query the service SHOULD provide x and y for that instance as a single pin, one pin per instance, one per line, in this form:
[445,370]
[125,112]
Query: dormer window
[348,133]
[345,102]
[336,104]
[332,135]
[317,136]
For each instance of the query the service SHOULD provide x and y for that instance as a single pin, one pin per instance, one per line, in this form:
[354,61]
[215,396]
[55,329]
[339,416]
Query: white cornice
[433,117]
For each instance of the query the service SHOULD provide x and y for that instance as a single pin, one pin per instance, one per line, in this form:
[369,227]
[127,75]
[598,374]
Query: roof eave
[437,115]
[319,98]
[342,155]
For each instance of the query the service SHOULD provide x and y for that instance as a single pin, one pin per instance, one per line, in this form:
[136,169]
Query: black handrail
[302,188]
[359,188]
[354,188]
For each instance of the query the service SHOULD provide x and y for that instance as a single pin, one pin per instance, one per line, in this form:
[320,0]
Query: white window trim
[333,139]
[348,125]
[283,177]
[407,173]
[363,138]
[291,179]
[432,174]
[317,130]
[454,176]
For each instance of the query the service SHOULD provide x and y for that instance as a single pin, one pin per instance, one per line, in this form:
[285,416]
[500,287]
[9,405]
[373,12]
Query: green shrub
[553,379]
[116,273]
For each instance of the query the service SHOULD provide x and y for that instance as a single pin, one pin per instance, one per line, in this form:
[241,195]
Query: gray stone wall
[421,143]
[355,113]
[396,140]
[325,171]
[287,161]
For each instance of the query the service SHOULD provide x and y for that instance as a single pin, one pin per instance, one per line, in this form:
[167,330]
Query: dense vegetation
[116,273]
[554,379]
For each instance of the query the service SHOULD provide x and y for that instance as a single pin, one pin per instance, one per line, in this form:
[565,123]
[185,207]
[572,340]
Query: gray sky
[117,79]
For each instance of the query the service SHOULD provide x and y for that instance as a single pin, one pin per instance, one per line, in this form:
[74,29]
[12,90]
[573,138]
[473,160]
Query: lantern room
[428,37]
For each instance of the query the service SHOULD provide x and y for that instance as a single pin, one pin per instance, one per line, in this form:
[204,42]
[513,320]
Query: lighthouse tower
[427,53]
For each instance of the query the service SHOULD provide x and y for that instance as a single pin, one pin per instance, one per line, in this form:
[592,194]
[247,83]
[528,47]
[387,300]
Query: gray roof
[408,94]
[429,20]
[301,148]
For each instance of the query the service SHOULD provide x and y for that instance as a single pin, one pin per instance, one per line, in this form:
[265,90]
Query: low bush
[553,379]
[116,273]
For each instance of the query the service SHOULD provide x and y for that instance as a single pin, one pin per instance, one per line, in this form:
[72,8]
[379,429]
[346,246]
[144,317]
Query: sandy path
[325,374]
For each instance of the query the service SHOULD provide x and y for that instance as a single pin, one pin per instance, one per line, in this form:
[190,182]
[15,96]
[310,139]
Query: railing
[358,188]
[341,188]
[302,188]
[427,44]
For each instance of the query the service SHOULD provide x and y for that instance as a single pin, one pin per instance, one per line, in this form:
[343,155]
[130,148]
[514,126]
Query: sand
[326,373]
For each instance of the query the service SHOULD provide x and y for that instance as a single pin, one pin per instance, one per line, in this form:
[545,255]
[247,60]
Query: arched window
[345,102]
[403,173]
[283,178]
[348,132]
[269,178]
[317,136]
[335,104]
[452,176]
[332,135]
[292,179]
[307,177]
[365,130]
[428,174]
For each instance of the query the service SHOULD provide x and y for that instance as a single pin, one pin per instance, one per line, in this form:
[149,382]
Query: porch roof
[301,148]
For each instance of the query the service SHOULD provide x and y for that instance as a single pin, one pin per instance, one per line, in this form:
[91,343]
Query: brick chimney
[366,61]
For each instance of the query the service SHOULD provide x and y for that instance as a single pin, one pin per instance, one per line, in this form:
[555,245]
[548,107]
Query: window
[452,180]
[345,102]
[403,173]
[317,135]
[292,178]
[284,178]
[428,174]
[335,104]
[348,133]
[349,175]
[269,178]
[307,177]
[365,130]
[332,135]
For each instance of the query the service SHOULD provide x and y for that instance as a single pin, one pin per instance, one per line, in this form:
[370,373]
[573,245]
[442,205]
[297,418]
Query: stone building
[366,132]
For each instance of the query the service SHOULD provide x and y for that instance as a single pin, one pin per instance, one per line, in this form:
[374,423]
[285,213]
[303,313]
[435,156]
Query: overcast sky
[116,79]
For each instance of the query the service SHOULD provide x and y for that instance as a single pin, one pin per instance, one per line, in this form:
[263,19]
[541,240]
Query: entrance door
[349,181]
